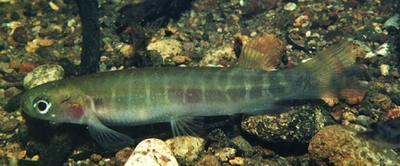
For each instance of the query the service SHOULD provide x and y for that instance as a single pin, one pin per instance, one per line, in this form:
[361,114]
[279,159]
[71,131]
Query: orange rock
[26,67]
[393,113]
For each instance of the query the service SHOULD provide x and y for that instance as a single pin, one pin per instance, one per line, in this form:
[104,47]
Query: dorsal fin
[264,53]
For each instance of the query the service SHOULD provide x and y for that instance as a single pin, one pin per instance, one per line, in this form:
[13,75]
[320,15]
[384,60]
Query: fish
[384,135]
[180,96]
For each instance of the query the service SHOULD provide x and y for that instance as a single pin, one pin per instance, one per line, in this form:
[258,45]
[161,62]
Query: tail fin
[330,70]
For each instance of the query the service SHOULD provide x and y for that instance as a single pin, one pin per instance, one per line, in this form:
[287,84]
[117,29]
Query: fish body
[384,135]
[153,95]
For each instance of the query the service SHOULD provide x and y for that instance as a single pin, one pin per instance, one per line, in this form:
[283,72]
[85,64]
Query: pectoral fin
[106,137]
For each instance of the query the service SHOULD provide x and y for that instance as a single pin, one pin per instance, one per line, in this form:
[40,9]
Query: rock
[384,68]
[290,6]
[339,145]
[152,151]
[10,125]
[186,148]
[393,113]
[122,156]
[95,157]
[297,126]
[21,35]
[166,47]
[208,160]
[226,154]
[213,57]
[181,59]
[243,145]
[381,99]
[237,161]
[43,74]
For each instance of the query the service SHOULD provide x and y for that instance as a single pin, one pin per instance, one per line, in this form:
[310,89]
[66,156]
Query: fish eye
[42,105]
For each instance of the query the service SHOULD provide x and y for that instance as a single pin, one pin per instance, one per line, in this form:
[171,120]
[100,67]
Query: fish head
[55,101]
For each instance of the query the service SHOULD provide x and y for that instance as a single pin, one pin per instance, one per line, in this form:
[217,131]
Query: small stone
[384,69]
[349,116]
[21,154]
[127,50]
[53,6]
[292,127]
[381,99]
[35,158]
[21,35]
[186,147]
[31,47]
[152,151]
[181,59]
[226,154]
[43,42]
[364,120]
[330,101]
[9,126]
[214,56]
[243,145]
[383,50]
[166,47]
[301,21]
[95,157]
[237,161]
[290,6]
[393,113]
[339,145]
[43,74]
[123,155]
[208,160]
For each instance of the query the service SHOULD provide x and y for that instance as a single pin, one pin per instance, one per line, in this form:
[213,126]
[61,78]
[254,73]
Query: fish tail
[332,73]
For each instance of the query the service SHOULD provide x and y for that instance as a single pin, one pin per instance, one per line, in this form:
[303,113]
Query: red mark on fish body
[75,110]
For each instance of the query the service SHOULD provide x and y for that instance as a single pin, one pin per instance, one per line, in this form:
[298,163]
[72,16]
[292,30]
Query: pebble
[237,161]
[152,151]
[292,127]
[166,47]
[384,69]
[213,56]
[187,148]
[226,154]
[95,157]
[290,6]
[10,125]
[393,113]
[21,35]
[122,156]
[43,74]
[364,120]
[207,160]
[53,6]
[243,145]
[340,145]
